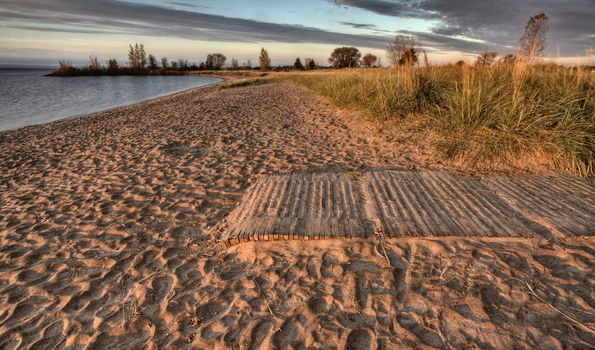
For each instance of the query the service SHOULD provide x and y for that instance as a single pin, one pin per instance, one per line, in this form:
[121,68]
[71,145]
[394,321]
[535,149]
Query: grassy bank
[510,115]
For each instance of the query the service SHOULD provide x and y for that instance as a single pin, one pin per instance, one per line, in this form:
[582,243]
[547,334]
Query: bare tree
[235,64]
[402,51]
[369,60]
[265,60]
[533,43]
[94,63]
[164,62]
[215,61]
[182,64]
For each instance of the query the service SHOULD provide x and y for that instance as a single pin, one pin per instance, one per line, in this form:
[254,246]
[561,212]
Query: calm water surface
[29,98]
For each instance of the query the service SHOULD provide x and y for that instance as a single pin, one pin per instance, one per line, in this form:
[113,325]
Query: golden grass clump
[506,114]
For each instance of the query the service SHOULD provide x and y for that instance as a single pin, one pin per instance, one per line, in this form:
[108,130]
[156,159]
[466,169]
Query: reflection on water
[28,98]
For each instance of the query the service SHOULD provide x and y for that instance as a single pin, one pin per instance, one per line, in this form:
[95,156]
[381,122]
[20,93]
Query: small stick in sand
[532,292]
[264,296]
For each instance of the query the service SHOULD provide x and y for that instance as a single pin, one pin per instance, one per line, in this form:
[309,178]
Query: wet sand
[105,241]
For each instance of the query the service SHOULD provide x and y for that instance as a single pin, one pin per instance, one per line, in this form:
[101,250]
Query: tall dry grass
[506,114]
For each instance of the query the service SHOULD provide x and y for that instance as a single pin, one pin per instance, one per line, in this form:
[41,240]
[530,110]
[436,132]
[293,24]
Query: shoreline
[222,79]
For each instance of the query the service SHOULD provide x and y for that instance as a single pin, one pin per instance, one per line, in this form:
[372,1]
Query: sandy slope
[104,242]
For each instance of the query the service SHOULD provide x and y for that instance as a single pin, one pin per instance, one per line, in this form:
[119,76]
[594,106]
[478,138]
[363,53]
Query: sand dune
[105,241]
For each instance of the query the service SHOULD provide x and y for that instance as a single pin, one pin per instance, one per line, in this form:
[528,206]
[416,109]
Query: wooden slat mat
[300,206]
[403,203]
[432,203]
[563,204]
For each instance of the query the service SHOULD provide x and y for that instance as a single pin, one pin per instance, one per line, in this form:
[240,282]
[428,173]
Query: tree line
[404,50]
[141,63]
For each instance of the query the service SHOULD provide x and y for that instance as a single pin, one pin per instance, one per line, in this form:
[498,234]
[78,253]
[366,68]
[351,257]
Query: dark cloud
[109,16]
[143,19]
[184,4]
[359,25]
[405,8]
[500,23]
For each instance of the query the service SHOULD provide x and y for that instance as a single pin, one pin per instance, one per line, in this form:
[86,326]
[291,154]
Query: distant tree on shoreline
[369,60]
[234,64]
[153,62]
[264,59]
[298,64]
[137,57]
[215,61]
[112,65]
[345,57]
[164,63]
[94,63]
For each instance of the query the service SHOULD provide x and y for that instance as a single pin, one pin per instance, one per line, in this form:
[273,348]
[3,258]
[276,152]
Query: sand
[105,241]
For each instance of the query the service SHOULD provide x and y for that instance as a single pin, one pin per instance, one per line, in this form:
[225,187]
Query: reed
[504,114]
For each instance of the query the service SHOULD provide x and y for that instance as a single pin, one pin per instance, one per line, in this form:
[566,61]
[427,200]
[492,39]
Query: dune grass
[506,114]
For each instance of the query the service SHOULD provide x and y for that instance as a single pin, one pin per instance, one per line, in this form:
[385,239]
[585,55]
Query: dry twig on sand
[532,292]
[264,296]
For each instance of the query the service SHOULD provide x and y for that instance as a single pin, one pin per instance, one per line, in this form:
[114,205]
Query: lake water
[27,97]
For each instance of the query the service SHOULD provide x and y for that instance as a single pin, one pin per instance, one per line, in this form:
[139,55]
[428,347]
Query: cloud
[359,25]
[498,23]
[405,8]
[110,16]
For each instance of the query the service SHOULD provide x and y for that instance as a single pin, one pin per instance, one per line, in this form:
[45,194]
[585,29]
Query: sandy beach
[106,241]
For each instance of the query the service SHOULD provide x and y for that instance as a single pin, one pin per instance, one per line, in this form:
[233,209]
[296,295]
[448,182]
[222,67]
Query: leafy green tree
[345,57]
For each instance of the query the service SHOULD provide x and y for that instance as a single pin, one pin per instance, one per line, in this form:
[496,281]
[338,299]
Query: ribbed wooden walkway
[401,203]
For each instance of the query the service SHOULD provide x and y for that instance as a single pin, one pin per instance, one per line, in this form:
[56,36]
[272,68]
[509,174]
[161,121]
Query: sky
[38,33]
